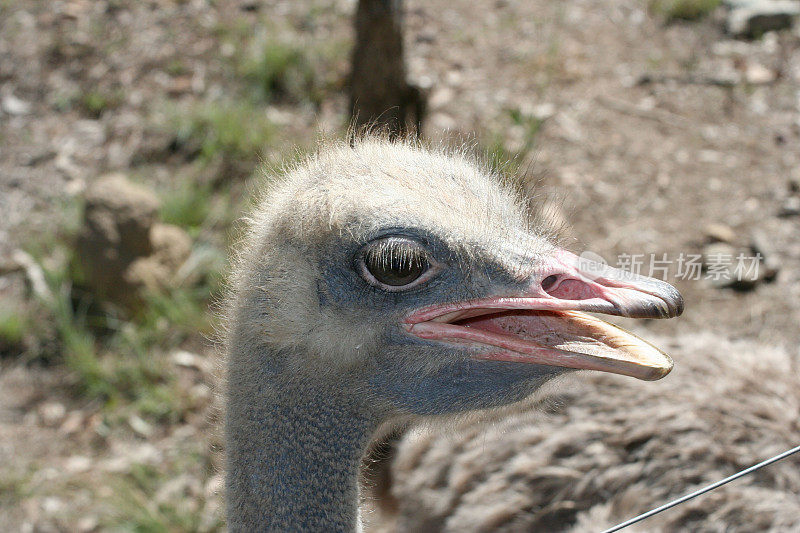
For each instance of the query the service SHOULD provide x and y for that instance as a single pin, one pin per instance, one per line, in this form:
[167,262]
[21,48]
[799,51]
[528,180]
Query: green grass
[93,103]
[121,361]
[506,161]
[116,359]
[125,367]
[141,504]
[176,67]
[14,486]
[281,72]
[531,126]
[13,324]
[236,130]
[78,346]
[498,156]
[172,317]
[673,10]
[291,70]
[186,205]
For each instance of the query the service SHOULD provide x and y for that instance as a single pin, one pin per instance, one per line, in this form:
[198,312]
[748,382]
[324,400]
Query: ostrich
[381,283]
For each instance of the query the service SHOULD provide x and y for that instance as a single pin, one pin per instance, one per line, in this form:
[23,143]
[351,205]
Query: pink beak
[546,322]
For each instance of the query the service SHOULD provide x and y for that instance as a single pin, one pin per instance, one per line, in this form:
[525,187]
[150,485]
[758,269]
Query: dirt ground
[645,132]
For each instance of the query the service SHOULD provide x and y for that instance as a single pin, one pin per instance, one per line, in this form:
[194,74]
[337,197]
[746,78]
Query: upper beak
[614,291]
[545,323]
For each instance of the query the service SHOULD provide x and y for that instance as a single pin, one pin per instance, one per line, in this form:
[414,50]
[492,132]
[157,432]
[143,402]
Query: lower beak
[547,324]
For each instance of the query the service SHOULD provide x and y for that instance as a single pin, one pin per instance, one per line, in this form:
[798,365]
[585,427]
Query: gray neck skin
[293,453]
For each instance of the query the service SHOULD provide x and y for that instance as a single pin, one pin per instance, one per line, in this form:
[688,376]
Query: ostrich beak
[546,323]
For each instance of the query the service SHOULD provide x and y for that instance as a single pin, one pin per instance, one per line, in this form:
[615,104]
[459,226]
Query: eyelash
[404,246]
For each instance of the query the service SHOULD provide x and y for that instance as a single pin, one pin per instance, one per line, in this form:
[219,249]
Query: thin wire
[708,488]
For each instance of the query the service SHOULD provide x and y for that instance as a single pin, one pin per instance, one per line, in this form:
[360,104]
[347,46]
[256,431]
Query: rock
[117,221]
[171,247]
[200,393]
[176,488]
[171,244]
[794,185]
[140,427]
[441,97]
[73,423]
[543,111]
[758,74]
[74,187]
[791,207]
[22,260]
[88,523]
[122,249]
[14,106]
[250,6]
[52,413]
[717,232]
[195,362]
[454,78]
[442,121]
[78,464]
[147,273]
[426,36]
[741,269]
[187,359]
[179,86]
[125,454]
[214,486]
[770,264]
[717,249]
[52,505]
[754,18]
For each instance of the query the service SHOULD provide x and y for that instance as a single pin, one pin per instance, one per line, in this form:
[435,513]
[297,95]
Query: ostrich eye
[395,263]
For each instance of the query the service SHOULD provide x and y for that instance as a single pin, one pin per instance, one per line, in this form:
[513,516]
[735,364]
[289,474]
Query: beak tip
[671,301]
[674,302]
[679,310]
[657,373]
[658,370]
[668,303]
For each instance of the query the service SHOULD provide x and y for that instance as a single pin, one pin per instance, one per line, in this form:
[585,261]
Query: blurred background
[133,134]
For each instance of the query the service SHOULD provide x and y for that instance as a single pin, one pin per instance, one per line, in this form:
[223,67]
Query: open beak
[547,323]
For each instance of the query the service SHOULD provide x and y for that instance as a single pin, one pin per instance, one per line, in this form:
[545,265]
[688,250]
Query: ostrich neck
[293,454]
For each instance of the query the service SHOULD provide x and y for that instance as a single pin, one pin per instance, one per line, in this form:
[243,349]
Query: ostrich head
[415,281]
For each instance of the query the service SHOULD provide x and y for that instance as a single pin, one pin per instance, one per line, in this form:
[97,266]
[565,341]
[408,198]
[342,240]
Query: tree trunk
[380,96]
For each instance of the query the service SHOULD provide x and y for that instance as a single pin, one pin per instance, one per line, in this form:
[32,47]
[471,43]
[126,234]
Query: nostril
[549,281]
